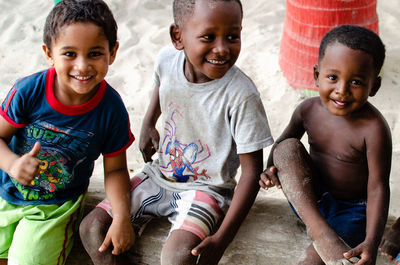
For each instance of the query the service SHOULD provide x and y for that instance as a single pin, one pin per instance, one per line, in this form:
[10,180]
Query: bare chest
[337,139]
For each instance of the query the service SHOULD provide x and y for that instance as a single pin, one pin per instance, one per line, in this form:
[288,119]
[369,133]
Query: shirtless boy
[349,157]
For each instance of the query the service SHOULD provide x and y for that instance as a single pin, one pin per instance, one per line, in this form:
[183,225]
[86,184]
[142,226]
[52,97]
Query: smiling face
[81,56]
[346,78]
[210,38]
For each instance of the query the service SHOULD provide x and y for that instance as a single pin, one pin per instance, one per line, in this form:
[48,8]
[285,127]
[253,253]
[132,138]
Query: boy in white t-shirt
[213,121]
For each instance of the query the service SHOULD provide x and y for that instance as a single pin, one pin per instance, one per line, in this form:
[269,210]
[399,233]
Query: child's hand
[26,167]
[121,235]
[148,143]
[365,251]
[210,249]
[269,178]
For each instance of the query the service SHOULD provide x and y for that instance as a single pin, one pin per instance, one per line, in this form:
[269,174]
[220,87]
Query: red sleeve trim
[123,149]
[10,121]
[9,100]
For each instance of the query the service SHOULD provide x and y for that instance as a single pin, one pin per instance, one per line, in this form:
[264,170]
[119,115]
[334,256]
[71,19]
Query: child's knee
[171,256]
[94,227]
[288,151]
[287,147]
[177,250]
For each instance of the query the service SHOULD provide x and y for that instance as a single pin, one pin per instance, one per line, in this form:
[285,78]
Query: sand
[270,235]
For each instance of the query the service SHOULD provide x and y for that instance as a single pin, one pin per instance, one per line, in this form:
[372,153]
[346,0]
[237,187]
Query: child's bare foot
[330,247]
[390,244]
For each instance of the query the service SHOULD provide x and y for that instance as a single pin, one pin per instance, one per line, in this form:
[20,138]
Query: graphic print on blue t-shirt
[62,149]
[71,137]
[183,158]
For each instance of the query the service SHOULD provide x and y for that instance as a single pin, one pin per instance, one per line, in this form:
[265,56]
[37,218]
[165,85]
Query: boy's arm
[213,247]
[149,136]
[23,169]
[294,129]
[379,156]
[117,187]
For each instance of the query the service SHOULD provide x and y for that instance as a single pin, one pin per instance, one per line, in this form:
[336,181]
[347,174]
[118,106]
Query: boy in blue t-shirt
[54,124]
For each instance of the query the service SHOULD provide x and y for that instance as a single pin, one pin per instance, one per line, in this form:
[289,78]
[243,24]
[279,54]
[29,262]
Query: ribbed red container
[306,22]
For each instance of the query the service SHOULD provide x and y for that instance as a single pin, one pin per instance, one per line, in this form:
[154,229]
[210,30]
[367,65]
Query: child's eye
[69,54]
[332,77]
[208,37]
[95,54]
[356,82]
[233,37]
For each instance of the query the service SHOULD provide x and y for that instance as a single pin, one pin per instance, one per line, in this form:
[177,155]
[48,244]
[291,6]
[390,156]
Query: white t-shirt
[204,128]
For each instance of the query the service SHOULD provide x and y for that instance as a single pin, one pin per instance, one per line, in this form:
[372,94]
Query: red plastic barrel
[306,22]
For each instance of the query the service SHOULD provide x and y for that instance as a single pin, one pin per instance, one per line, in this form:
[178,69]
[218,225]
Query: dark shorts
[347,218]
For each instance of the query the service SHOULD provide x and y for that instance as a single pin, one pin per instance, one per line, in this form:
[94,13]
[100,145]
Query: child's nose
[221,47]
[81,63]
[342,88]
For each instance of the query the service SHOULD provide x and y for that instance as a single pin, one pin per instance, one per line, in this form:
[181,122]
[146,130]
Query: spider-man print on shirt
[184,158]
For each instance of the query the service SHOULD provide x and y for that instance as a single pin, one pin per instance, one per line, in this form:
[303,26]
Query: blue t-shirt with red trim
[71,138]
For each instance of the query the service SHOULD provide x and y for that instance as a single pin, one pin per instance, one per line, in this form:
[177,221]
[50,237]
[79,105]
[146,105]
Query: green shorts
[38,234]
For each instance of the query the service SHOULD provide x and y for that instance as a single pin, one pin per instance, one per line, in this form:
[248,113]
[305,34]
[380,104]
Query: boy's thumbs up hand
[25,168]
[35,150]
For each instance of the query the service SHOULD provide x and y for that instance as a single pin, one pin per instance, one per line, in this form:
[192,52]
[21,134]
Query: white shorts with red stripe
[192,210]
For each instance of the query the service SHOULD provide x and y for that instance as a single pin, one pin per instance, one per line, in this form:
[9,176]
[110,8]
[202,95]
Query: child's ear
[49,57]
[316,75]
[175,33]
[377,85]
[113,53]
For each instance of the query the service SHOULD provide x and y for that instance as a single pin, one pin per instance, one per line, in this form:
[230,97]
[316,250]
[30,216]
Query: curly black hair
[183,8]
[71,11]
[356,38]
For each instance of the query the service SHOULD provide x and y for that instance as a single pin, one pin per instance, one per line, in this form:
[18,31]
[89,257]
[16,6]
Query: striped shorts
[194,211]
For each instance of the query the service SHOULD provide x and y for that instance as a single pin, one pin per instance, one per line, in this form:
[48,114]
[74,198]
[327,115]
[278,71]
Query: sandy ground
[271,234]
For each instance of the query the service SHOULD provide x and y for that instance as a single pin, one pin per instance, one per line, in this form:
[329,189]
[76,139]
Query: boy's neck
[70,99]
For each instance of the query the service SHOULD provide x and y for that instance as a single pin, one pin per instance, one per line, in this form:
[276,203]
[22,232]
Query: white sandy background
[143,30]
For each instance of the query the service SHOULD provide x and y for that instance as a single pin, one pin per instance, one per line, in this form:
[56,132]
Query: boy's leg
[310,257]
[145,196]
[177,249]
[93,230]
[196,215]
[295,172]
[9,218]
[44,233]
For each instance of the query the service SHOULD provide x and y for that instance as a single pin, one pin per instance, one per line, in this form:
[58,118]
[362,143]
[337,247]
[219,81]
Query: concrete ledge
[270,235]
